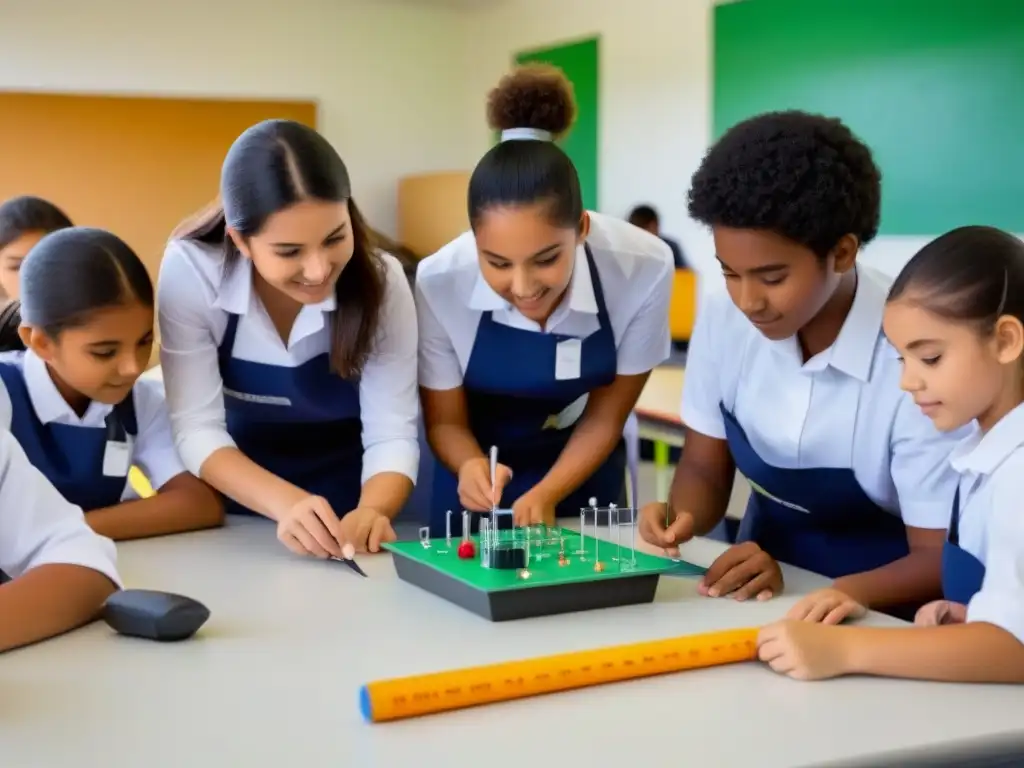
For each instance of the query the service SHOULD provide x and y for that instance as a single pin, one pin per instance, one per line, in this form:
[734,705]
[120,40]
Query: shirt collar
[49,404]
[853,351]
[982,454]
[579,295]
[236,293]
[854,348]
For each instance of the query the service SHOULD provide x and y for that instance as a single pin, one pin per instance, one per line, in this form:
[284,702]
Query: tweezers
[353,565]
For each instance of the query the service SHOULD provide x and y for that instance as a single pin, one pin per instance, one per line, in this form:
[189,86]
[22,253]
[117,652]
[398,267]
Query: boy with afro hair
[790,380]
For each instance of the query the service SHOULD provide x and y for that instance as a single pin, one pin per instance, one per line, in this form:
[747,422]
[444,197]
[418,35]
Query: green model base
[546,567]
[564,573]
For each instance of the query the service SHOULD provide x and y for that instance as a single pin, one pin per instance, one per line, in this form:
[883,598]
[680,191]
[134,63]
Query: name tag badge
[568,355]
[117,459]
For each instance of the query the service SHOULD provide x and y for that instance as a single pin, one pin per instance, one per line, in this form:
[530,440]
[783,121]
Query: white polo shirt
[152,450]
[195,296]
[636,273]
[843,408]
[39,527]
[991,473]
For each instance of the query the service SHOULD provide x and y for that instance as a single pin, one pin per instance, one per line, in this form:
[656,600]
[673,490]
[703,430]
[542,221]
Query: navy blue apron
[511,395]
[962,572]
[837,530]
[70,456]
[302,424]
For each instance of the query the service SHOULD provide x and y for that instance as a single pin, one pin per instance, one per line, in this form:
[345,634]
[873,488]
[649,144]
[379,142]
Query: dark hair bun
[532,96]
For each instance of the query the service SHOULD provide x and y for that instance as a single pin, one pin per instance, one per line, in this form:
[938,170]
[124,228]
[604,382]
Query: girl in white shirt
[956,315]
[70,391]
[539,327]
[288,347]
[61,571]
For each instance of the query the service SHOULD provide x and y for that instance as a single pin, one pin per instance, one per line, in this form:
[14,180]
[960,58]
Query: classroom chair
[682,310]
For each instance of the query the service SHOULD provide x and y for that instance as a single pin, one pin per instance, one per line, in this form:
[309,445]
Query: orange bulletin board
[133,165]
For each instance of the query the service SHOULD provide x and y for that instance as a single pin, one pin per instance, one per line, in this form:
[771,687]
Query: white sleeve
[38,526]
[702,389]
[1000,600]
[154,452]
[6,407]
[388,397]
[919,465]
[188,359]
[647,340]
[439,366]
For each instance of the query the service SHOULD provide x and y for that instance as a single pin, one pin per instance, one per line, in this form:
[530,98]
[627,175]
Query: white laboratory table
[272,679]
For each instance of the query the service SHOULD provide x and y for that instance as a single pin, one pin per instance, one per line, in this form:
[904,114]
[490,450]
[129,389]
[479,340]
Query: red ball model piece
[467,550]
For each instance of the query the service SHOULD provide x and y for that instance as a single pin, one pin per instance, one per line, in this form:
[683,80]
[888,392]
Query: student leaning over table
[288,348]
[61,571]
[956,314]
[539,327]
[789,379]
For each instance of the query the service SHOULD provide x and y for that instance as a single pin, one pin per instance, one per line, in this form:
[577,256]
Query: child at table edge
[61,570]
[956,314]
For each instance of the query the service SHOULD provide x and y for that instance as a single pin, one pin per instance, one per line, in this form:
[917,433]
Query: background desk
[657,413]
[272,680]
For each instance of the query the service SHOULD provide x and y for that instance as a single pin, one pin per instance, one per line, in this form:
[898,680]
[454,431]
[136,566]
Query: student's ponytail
[10,320]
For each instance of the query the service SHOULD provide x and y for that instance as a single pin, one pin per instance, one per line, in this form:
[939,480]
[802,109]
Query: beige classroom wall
[655,101]
[346,54]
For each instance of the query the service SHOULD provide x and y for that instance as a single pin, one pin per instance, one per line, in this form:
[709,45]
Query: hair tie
[526,134]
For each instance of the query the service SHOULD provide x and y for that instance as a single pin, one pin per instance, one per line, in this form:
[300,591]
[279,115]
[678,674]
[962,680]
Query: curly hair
[524,172]
[532,96]
[805,177]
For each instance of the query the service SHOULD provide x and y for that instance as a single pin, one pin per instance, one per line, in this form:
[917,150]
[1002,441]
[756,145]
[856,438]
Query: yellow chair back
[683,308]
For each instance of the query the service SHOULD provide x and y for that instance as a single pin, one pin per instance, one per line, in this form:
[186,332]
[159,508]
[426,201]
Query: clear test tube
[613,520]
[485,542]
[582,550]
[632,537]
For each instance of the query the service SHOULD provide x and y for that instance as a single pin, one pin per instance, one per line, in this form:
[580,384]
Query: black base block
[528,602]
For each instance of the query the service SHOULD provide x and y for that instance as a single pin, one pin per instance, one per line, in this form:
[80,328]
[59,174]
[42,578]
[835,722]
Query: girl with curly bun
[538,327]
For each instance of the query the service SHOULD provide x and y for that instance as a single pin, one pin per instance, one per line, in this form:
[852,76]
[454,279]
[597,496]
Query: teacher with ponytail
[288,348]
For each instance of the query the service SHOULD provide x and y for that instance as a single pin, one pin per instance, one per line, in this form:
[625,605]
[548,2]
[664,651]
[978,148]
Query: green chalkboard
[580,62]
[935,87]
